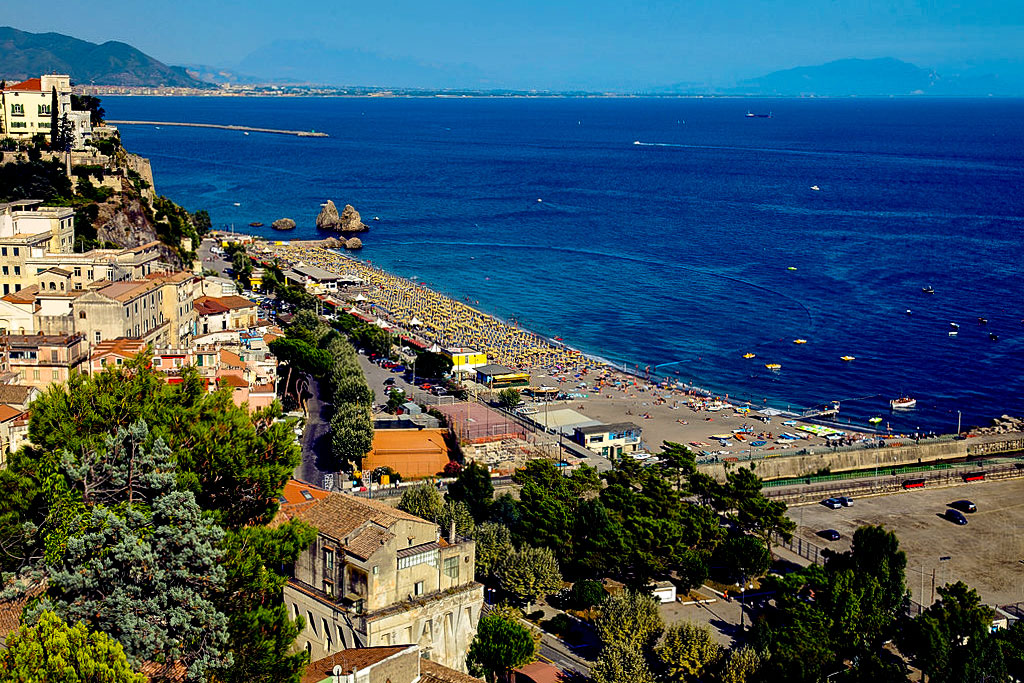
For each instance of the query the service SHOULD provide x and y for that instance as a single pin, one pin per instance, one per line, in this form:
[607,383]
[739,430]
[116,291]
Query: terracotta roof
[57,271]
[31,85]
[26,295]
[233,381]
[34,341]
[126,291]
[339,515]
[432,672]
[122,346]
[10,610]
[367,542]
[231,359]
[15,394]
[175,277]
[234,302]
[538,672]
[9,413]
[355,659]
[267,388]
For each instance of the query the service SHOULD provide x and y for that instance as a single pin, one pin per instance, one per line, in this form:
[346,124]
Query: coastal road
[555,652]
[316,437]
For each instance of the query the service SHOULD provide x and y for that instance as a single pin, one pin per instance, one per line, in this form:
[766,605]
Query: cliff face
[125,221]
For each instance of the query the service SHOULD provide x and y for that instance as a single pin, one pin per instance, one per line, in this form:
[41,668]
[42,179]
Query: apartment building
[180,291]
[27,229]
[225,313]
[377,576]
[39,360]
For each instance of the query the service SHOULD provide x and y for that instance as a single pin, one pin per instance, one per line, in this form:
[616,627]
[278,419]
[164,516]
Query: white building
[27,109]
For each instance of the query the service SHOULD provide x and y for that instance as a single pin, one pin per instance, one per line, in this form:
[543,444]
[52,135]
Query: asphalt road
[316,439]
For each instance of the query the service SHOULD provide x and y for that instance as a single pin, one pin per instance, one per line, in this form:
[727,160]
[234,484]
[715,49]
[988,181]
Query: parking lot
[987,553]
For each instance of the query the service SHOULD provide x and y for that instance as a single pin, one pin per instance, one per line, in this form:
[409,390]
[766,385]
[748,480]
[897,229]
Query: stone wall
[798,465]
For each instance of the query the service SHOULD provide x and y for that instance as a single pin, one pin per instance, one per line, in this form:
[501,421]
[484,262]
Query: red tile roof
[31,85]
[352,660]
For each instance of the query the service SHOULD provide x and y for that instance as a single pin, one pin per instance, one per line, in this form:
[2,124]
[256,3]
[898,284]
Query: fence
[802,548]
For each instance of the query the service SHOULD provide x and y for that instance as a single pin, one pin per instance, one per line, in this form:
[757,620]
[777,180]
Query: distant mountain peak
[26,55]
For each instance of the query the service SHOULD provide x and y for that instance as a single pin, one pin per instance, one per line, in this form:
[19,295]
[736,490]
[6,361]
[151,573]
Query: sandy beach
[713,426]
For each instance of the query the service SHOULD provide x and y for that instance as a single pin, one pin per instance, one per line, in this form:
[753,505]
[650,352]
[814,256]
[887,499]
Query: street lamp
[743,589]
[958,423]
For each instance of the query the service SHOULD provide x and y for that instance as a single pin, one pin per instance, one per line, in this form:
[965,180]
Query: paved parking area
[987,553]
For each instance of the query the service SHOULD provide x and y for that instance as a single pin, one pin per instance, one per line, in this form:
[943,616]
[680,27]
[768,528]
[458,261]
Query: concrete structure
[379,576]
[27,109]
[413,453]
[132,309]
[180,291]
[40,360]
[609,440]
[113,265]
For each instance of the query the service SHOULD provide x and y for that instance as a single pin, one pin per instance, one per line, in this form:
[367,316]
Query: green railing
[879,471]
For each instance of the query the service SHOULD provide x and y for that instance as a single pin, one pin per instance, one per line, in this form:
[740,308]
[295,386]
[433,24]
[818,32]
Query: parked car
[832,503]
[438,391]
[829,534]
[955,516]
[389,381]
[845,501]
[398,368]
[964,506]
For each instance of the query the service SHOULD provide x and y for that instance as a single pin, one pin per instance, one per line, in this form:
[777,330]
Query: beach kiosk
[464,361]
[500,377]
[610,440]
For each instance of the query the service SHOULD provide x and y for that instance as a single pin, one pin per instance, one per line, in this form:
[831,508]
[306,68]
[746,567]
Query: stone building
[39,360]
[377,576]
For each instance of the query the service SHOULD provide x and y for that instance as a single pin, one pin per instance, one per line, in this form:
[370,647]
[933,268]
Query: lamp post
[958,423]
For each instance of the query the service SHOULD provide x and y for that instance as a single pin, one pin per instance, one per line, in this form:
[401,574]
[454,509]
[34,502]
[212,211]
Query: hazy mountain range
[27,55]
[24,55]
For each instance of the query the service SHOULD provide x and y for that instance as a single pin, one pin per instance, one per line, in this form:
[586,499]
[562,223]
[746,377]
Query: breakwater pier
[223,126]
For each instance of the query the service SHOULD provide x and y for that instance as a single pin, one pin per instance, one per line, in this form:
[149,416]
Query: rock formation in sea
[354,243]
[347,221]
[283,224]
[332,243]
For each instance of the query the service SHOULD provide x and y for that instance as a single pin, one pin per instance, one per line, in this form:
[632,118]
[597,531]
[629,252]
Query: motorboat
[847,358]
[773,366]
[791,268]
[953,333]
[903,403]
[799,341]
[749,355]
[874,420]
[928,290]
[815,188]
[993,336]
[983,321]
[910,312]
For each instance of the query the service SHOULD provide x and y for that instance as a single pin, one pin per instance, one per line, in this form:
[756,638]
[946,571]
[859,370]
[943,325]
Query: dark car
[389,381]
[398,368]
[955,516]
[833,503]
[964,506]
[845,501]
[829,534]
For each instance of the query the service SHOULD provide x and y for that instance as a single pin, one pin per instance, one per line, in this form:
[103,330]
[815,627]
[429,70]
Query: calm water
[673,253]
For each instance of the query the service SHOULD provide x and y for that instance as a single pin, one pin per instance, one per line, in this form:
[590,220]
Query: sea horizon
[704,242]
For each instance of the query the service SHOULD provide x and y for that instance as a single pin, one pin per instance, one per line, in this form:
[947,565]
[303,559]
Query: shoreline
[718,426]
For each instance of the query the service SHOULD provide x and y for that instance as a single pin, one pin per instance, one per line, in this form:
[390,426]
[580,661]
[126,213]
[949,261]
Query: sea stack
[347,221]
[354,243]
[283,224]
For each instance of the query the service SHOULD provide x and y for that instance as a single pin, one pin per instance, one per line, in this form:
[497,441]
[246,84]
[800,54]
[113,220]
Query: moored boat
[748,355]
[799,341]
[847,358]
[928,289]
[903,403]
[773,366]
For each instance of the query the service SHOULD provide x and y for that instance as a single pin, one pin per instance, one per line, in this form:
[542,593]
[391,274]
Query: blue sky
[594,44]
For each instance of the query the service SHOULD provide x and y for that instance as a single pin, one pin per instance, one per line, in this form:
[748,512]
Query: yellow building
[465,361]
[26,109]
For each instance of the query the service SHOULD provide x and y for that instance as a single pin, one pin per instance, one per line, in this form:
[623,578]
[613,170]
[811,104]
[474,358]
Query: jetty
[223,126]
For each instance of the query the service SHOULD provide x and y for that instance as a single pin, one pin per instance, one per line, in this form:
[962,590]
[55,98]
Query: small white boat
[952,333]
[954,326]
[815,188]
[539,200]
[636,142]
[903,403]
[238,204]
[245,133]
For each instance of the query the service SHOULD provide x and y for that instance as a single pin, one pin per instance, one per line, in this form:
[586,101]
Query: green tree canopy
[619,663]
[422,500]
[474,488]
[51,650]
[493,544]
[509,398]
[235,463]
[501,644]
[528,573]
[135,558]
[688,652]
[630,619]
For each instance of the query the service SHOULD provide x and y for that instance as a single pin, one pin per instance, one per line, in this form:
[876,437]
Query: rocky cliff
[347,221]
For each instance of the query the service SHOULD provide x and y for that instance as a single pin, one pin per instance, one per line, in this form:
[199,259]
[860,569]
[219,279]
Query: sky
[561,44]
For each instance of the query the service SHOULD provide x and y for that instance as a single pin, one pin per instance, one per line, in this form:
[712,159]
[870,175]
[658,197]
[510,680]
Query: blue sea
[676,253]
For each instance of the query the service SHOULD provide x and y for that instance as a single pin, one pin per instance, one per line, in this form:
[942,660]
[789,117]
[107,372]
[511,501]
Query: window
[17,110]
[328,559]
[451,567]
[329,587]
[375,570]
[35,375]
[16,250]
[17,269]
[81,315]
[428,557]
[3,251]
[53,355]
[311,621]
[56,375]
[98,339]
[418,588]
[44,110]
[6,271]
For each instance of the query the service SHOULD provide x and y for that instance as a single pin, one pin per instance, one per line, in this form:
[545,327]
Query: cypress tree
[54,117]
